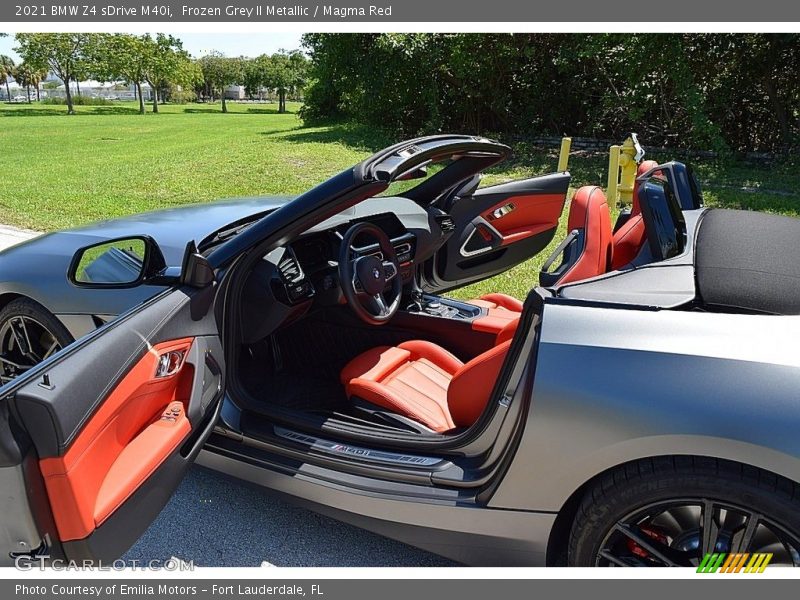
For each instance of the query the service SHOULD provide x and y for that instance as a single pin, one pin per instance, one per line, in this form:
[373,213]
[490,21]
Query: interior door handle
[503,210]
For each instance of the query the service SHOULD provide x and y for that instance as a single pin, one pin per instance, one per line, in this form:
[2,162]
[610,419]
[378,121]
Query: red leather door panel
[122,443]
[531,215]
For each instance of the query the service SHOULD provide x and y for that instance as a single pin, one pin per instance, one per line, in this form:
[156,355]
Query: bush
[78,101]
[181,96]
[723,92]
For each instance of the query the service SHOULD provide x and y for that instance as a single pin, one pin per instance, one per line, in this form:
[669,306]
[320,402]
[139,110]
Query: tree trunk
[224,105]
[70,108]
[781,114]
[155,97]
[141,98]
[77,87]
[8,91]
[281,101]
[38,93]
[28,90]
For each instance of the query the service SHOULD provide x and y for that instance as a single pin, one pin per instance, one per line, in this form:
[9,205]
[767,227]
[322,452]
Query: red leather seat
[588,212]
[499,302]
[425,382]
[629,239]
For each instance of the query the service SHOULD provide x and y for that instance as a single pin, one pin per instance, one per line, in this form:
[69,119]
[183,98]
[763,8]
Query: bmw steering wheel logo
[376,273]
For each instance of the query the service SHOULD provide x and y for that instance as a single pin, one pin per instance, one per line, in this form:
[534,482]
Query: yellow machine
[623,161]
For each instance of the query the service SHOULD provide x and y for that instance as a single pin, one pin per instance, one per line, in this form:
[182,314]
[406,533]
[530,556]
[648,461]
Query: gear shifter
[417,297]
[417,301]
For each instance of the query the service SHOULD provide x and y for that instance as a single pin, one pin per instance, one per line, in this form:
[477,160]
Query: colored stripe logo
[735,563]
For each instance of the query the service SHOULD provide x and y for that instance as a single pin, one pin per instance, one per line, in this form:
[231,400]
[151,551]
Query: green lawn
[60,171]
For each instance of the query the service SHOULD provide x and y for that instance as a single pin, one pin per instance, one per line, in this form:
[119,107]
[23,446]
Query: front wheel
[29,334]
[675,511]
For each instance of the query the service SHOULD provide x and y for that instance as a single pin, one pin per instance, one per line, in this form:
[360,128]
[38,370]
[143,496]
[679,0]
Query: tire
[620,507]
[34,314]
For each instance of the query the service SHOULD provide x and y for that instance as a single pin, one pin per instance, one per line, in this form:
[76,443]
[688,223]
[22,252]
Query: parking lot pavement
[215,521]
[11,235]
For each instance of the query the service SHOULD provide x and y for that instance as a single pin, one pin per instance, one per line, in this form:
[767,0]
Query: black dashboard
[303,274]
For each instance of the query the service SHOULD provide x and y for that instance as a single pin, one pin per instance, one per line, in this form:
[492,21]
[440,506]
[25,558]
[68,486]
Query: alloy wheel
[681,532]
[24,343]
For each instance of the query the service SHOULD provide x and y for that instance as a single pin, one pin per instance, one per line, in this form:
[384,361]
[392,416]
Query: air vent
[289,268]
[446,223]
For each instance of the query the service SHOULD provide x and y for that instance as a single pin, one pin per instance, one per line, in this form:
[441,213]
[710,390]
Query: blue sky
[198,44]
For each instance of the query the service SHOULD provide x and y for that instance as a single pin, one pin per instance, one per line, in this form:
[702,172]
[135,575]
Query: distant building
[235,92]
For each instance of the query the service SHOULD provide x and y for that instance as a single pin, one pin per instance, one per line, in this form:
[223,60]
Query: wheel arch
[558,540]
[7,297]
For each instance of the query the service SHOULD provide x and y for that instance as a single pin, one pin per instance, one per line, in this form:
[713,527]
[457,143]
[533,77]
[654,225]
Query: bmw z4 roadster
[639,408]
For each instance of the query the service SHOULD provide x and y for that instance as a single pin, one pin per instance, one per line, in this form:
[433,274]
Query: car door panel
[116,423]
[496,228]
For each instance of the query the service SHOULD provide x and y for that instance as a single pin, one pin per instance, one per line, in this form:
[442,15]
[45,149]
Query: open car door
[495,228]
[96,439]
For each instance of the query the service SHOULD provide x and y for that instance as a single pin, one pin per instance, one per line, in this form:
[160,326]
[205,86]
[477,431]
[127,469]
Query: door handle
[503,211]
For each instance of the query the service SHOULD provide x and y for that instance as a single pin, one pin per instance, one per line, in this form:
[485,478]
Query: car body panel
[614,385]
[466,533]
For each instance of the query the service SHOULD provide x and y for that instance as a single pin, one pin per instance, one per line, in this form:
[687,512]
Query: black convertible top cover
[749,261]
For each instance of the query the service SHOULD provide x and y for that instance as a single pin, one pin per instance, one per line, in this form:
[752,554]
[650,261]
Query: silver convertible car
[639,408]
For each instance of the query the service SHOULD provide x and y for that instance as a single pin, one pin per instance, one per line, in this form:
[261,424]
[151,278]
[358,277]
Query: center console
[446,308]
[479,317]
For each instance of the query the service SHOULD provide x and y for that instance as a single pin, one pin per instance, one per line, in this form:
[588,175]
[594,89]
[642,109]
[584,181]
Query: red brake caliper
[653,534]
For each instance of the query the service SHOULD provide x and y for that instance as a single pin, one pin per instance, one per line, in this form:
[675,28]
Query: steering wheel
[364,279]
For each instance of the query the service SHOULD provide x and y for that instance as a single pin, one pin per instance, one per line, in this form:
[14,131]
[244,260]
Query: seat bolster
[503,301]
[430,414]
[375,364]
[507,332]
[589,211]
[472,385]
[628,241]
[436,354]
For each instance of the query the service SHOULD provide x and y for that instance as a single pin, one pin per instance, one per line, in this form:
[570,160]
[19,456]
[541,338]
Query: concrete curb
[10,236]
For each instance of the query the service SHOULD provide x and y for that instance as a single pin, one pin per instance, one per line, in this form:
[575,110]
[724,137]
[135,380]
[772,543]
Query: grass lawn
[107,161]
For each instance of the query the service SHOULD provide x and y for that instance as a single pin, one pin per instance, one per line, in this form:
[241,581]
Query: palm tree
[6,68]
[38,76]
[24,75]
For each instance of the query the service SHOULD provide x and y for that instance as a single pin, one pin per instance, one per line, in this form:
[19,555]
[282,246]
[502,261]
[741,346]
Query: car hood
[172,228]
[179,225]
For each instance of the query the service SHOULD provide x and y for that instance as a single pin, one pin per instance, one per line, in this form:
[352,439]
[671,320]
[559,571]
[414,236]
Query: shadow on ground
[356,136]
[213,520]
[248,111]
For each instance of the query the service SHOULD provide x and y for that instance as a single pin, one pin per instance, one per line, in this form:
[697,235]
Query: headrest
[585,200]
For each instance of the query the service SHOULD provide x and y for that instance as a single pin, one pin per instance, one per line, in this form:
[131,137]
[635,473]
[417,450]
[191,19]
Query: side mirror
[119,263]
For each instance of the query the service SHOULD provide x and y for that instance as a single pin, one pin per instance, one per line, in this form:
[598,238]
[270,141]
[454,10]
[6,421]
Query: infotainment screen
[663,220]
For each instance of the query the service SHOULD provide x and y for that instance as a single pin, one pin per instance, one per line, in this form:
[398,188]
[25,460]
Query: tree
[255,74]
[220,72]
[121,56]
[286,73]
[29,75]
[6,72]
[24,75]
[39,75]
[63,53]
[166,62]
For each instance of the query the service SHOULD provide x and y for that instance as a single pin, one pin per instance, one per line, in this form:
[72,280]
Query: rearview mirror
[120,263]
